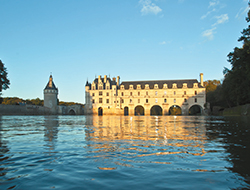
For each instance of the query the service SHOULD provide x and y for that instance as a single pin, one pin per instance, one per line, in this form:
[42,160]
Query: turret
[50,96]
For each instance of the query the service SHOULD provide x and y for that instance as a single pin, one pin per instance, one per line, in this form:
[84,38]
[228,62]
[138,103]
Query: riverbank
[243,110]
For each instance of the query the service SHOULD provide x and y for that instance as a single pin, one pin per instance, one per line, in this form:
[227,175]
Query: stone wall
[23,110]
[243,110]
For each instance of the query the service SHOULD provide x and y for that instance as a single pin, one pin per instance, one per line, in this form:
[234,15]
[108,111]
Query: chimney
[118,81]
[99,78]
[105,78]
[114,79]
[201,79]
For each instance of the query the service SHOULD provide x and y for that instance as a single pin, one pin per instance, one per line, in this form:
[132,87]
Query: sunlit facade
[106,96]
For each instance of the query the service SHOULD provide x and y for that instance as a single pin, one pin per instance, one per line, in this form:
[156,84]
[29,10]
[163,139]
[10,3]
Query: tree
[211,85]
[236,88]
[4,81]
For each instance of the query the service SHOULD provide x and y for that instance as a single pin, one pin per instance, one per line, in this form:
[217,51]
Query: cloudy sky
[77,40]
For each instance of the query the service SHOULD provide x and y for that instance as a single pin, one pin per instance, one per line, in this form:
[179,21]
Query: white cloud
[221,19]
[149,8]
[209,12]
[162,43]
[213,3]
[209,34]
[242,11]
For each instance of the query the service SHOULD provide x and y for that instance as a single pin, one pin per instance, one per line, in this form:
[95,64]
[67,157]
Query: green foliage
[236,88]
[13,101]
[211,85]
[4,81]
[61,103]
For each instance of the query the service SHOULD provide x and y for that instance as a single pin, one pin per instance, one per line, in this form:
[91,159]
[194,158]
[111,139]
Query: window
[156,100]
[107,87]
[156,93]
[147,93]
[156,86]
[93,94]
[138,93]
[107,94]
[147,86]
[131,93]
[107,101]
[195,92]
[100,100]
[100,87]
[185,100]
[174,100]
[93,101]
[100,93]
[93,87]
[138,100]
[138,86]
[174,93]
[122,93]
[130,100]
[122,101]
[165,100]
[185,92]
[146,100]
[195,100]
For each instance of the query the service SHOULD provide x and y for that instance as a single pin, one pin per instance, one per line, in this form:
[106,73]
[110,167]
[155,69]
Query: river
[124,152]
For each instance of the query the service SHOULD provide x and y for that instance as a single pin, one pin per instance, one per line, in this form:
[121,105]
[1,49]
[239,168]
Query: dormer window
[184,85]
[131,86]
[146,86]
[122,87]
[165,86]
[138,86]
[100,87]
[93,87]
[174,85]
[195,85]
[156,86]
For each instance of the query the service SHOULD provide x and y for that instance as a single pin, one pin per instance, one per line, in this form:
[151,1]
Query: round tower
[50,93]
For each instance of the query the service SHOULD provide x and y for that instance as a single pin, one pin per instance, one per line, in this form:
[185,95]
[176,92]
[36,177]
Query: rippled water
[124,152]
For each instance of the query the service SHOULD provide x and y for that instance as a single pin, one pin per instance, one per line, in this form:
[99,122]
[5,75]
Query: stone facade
[50,96]
[161,97]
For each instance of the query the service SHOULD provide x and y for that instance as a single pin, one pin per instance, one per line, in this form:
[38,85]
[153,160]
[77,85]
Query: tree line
[234,90]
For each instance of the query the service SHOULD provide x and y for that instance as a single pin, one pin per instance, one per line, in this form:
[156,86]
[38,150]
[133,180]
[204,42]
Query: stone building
[51,102]
[161,97]
[50,93]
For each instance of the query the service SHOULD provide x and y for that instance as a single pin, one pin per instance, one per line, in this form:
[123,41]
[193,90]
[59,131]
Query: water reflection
[234,133]
[3,151]
[51,125]
[146,136]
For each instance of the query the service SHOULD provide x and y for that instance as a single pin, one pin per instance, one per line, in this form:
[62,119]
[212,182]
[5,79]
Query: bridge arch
[195,110]
[156,110]
[72,112]
[100,111]
[139,110]
[175,110]
[126,110]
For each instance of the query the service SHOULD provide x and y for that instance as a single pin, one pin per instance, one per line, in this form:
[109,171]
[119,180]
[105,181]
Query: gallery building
[106,96]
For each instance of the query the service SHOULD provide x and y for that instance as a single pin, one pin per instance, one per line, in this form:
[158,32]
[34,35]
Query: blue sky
[77,40]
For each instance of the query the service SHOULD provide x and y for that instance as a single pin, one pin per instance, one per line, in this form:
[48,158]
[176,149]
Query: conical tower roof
[50,84]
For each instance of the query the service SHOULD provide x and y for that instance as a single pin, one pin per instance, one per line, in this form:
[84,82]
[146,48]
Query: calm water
[124,152]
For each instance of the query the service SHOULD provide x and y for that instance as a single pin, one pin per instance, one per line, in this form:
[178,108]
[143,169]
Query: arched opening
[100,111]
[195,110]
[126,111]
[139,110]
[72,112]
[175,110]
[156,110]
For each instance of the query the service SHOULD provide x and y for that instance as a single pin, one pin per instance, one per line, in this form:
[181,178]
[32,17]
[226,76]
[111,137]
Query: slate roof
[50,88]
[160,83]
[111,82]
